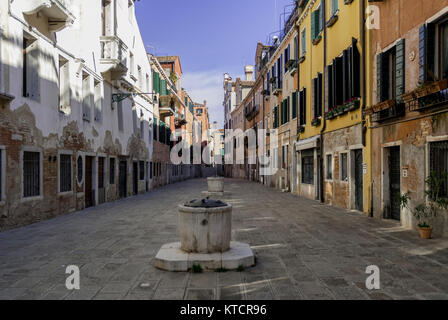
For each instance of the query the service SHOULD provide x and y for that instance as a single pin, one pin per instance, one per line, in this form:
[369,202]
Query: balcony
[113,57]
[276,88]
[292,66]
[58,12]
[252,111]
[166,106]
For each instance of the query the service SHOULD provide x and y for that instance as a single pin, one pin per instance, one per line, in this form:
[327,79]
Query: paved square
[304,250]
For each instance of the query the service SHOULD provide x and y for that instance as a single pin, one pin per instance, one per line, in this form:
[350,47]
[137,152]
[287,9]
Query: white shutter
[32,71]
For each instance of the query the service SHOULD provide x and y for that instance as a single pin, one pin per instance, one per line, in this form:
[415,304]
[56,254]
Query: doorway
[89,191]
[101,189]
[359,205]
[394,182]
[135,177]
[123,178]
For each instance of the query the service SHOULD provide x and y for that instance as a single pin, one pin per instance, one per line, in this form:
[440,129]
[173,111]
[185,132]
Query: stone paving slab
[303,250]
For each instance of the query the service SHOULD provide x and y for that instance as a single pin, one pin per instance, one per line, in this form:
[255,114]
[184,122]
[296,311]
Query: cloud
[207,85]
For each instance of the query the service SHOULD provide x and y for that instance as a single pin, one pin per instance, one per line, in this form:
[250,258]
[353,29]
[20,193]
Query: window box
[301,129]
[384,105]
[436,99]
[330,115]
[332,20]
[431,88]
[317,40]
[408,97]
[353,105]
[316,122]
[301,59]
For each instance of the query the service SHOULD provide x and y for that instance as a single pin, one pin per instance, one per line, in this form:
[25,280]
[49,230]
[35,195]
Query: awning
[308,143]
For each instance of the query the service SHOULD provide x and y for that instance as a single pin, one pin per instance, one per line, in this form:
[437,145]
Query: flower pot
[425,233]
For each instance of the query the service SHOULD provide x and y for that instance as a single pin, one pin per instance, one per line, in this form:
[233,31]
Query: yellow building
[332,148]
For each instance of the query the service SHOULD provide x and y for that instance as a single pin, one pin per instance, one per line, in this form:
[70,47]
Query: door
[89,192]
[123,178]
[101,189]
[358,180]
[394,182]
[135,177]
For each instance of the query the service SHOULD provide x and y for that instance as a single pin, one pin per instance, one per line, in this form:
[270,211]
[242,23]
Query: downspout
[364,92]
[321,140]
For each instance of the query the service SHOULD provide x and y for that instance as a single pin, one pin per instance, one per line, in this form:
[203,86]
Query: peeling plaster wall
[39,124]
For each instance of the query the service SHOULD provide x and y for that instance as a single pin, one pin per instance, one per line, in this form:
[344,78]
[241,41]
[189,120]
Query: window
[64,85]
[150,170]
[303,41]
[316,23]
[317,96]
[80,169]
[344,163]
[31,78]
[275,124]
[154,129]
[86,96]
[131,10]
[148,85]
[443,36]
[329,167]
[343,78]
[31,174]
[120,115]
[140,77]
[438,158]
[308,166]
[334,7]
[285,156]
[131,64]
[98,100]
[134,119]
[112,171]
[142,129]
[65,173]
[433,51]
[142,170]
[302,106]
[285,111]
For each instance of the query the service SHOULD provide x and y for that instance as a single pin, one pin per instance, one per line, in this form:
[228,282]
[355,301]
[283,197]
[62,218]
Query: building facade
[408,108]
[71,134]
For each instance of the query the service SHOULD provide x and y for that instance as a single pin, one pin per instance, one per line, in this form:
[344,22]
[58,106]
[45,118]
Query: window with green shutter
[294,105]
[334,6]
[316,24]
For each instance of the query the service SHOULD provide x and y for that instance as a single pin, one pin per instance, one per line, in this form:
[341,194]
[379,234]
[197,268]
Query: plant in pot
[426,211]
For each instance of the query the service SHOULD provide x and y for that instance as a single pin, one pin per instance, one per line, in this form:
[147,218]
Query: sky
[211,37]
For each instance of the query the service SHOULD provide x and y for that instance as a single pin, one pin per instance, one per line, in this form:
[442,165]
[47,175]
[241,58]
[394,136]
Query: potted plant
[426,212]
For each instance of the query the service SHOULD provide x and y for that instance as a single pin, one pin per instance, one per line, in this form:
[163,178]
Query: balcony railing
[277,88]
[113,56]
[252,112]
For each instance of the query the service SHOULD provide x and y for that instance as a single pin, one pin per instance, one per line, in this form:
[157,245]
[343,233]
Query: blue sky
[211,37]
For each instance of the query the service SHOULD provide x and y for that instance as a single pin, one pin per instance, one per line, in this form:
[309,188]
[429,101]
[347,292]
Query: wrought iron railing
[397,110]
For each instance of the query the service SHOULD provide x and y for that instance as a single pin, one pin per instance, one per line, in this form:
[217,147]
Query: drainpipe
[324,126]
[364,90]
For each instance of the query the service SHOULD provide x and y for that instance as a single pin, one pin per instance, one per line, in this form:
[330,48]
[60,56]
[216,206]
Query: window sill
[30,199]
[65,193]
[302,58]
[333,19]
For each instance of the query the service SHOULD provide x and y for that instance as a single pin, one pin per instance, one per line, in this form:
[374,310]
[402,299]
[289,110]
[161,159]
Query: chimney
[249,71]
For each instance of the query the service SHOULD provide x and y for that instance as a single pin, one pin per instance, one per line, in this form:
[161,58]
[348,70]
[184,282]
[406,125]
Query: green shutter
[287,109]
[313,26]
[379,77]
[294,105]
[399,69]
